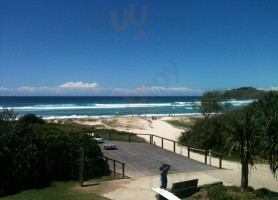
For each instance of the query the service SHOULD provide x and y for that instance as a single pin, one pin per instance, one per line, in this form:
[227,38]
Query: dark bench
[183,189]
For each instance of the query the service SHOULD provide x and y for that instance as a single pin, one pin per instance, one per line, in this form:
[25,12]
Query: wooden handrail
[114,166]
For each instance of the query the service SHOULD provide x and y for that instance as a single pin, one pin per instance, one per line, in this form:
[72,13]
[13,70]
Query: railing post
[150,139]
[220,161]
[110,135]
[81,167]
[162,143]
[188,153]
[206,154]
[114,168]
[174,147]
[209,157]
[123,167]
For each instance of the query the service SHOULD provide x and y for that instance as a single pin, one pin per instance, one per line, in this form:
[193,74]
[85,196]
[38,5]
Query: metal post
[114,168]
[123,166]
[209,157]
[162,143]
[220,161]
[110,136]
[188,152]
[81,167]
[150,139]
[206,153]
[174,147]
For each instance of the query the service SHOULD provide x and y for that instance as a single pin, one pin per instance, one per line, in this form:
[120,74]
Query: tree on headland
[212,102]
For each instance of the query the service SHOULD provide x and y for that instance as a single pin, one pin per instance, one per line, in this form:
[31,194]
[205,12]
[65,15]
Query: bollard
[114,168]
[206,155]
[81,167]
[209,157]
[220,161]
[123,168]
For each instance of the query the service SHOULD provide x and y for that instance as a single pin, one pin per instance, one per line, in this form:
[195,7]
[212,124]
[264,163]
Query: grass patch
[179,124]
[58,191]
[81,128]
[118,135]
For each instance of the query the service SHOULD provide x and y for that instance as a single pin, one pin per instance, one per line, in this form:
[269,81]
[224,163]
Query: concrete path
[141,188]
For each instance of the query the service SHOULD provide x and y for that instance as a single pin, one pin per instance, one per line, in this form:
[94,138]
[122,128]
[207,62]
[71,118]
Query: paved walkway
[141,188]
[148,158]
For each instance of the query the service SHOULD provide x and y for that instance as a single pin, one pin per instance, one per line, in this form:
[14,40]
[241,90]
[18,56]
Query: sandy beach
[260,177]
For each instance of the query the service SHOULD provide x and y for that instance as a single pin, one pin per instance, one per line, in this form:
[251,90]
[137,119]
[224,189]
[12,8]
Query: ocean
[50,107]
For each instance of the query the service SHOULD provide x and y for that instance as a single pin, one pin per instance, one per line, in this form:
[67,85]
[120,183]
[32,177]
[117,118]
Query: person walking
[164,172]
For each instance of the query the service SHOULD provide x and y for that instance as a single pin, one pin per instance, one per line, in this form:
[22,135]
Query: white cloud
[93,89]
[3,89]
[273,88]
[78,85]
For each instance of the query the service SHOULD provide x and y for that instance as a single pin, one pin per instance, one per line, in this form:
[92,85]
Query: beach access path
[143,159]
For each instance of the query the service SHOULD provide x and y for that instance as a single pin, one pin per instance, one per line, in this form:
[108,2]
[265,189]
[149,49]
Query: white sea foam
[76,116]
[106,116]
[241,102]
[187,105]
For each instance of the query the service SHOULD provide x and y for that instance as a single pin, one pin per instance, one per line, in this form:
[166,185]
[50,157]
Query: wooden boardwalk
[145,159]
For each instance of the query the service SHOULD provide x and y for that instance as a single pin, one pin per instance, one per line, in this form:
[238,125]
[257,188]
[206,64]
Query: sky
[135,47]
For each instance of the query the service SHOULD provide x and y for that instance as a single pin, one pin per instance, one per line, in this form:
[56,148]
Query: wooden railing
[189,147]
[114,166]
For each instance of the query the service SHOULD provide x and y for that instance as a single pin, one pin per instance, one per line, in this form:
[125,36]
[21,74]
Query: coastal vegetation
[246,133]
[232,193]
[33,153]
[59,191]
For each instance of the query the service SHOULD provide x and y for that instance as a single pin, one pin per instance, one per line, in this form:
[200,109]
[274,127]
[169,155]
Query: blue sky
[164,48]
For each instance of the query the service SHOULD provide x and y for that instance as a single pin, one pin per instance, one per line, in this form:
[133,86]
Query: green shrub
[31,119]
[32,155]
[209,132]
[22,163]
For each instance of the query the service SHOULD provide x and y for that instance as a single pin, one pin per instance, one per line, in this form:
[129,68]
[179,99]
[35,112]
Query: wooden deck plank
[145,159]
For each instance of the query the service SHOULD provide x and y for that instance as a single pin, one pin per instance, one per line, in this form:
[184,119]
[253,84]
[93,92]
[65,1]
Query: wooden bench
[182,189]
[185,188]
[109,146]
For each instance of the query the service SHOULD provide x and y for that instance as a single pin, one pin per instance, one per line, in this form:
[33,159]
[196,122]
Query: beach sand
[261,177]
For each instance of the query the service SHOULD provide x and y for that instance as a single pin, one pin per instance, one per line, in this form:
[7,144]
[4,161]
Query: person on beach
[164,172]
